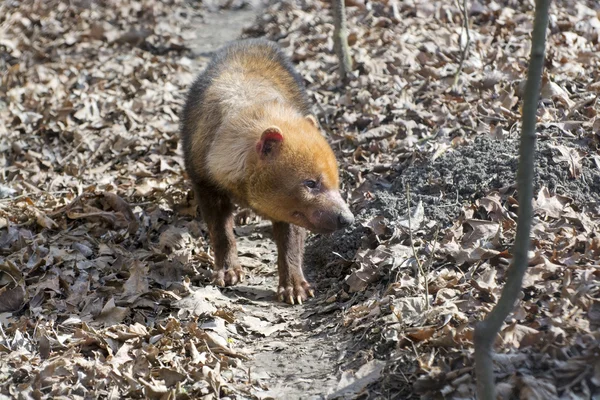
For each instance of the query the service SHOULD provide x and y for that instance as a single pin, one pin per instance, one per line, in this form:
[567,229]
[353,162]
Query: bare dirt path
[215,28]
[297,360]
[292,353]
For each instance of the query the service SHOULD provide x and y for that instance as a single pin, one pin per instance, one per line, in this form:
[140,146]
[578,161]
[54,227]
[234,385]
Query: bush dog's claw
[294,292]
[228,277]
[219,282]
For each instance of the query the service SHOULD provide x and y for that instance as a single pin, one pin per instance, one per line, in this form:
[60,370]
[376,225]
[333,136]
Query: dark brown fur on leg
[293,287]
[217,211]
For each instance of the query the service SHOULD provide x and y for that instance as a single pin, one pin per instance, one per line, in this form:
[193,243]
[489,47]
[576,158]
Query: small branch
[414,250]
[435,239]
[465,49]
[340,39]
[395,11]
[21,196]
[487,330]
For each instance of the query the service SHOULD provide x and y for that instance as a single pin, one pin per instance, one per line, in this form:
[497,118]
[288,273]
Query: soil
[472,171]
[460,177]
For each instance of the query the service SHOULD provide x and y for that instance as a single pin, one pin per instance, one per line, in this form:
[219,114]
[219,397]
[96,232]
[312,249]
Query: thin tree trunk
[340,38]
[487,330]
[465,50]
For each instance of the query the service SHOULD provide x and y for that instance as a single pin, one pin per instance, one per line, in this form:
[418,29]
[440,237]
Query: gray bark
[340,38]
[487,330]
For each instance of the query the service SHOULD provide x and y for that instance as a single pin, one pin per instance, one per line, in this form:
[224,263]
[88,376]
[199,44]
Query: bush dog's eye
[310,184]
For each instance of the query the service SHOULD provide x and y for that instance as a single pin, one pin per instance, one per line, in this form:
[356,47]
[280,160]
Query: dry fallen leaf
[111,314]
[12,298]
[352,383]
[552,90]
[531,388]
[550,205]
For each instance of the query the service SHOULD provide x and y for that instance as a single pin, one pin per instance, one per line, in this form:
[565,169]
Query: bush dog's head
[295,178]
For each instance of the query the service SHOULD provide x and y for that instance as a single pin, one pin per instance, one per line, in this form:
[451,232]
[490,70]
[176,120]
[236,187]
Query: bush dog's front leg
[217,212]
[293,287]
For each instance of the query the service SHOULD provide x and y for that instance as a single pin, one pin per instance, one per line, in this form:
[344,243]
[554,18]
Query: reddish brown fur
[249,138]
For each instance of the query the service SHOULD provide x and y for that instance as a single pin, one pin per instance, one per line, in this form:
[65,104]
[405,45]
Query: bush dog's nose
[345,219]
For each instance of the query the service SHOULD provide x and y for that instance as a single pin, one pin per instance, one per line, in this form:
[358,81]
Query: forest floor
[104,265]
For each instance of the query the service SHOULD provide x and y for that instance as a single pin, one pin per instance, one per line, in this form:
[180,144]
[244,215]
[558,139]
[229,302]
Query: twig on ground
[435,238]
[414,250]
[21,196]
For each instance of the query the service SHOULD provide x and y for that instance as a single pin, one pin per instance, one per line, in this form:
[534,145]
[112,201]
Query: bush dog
[249,138]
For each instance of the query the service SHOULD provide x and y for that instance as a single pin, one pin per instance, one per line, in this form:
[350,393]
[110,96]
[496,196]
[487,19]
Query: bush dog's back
[248,138]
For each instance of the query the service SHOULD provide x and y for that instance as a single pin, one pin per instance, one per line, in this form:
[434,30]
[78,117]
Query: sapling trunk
[487,330]
[340,39]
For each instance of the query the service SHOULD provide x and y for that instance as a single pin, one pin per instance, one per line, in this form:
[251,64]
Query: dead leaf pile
[92,264]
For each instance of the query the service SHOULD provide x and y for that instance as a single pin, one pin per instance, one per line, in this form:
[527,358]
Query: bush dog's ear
[269,144]
[313,120]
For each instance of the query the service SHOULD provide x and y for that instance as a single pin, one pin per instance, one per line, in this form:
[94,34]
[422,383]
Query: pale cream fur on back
[250,106]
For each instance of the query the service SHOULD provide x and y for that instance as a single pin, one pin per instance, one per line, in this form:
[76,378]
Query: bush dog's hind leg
[217,212]
[290,253]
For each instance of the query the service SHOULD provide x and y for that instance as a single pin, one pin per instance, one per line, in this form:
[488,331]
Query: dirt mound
[459,177]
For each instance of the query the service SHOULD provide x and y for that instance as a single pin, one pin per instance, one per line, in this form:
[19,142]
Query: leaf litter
[104,289]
